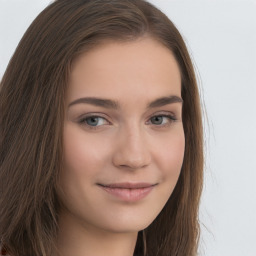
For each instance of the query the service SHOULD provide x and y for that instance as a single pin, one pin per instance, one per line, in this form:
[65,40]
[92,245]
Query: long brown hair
[32,94]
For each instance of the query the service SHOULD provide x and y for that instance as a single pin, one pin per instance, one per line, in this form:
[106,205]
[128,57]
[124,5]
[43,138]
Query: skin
[124,145]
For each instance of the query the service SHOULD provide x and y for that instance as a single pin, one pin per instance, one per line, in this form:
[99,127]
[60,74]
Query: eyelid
[163,113]
[82,118]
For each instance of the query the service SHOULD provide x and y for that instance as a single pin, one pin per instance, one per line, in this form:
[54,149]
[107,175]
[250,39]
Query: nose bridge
[132,150]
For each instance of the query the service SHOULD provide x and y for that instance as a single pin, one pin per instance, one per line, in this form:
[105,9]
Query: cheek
[169,156]
[83,155]
[84,160]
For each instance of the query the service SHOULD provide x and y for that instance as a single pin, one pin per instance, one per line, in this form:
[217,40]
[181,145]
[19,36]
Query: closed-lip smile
[127,191]
[128,185]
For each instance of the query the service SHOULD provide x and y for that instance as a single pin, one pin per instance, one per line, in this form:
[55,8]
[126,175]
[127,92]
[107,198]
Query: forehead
[142,67]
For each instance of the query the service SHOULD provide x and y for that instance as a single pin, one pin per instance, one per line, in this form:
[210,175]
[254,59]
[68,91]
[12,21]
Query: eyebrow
[112,104]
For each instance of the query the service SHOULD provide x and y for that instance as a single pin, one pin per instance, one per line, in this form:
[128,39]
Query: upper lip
[128,185]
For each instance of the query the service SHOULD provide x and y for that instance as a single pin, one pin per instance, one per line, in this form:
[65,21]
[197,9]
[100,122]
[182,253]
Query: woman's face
[123,136]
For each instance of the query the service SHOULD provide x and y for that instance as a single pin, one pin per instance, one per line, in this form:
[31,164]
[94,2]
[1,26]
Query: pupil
[92,121]
[157,119]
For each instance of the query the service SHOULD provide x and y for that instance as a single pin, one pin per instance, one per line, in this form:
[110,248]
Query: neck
[81,239]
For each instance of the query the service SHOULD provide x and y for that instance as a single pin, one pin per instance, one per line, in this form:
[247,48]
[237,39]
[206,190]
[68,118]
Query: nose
[132,151]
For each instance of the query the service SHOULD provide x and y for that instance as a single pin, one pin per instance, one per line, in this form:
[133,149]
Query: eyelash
[171,118]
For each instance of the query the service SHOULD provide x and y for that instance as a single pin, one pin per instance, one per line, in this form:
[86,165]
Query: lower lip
[128,194]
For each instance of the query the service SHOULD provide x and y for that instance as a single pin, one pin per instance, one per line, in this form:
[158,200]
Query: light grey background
[221,37]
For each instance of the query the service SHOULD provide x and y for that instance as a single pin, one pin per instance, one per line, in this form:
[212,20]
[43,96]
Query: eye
[93,122]
[162,120]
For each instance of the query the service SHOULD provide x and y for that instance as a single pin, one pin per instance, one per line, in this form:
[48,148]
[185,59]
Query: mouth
[129,192]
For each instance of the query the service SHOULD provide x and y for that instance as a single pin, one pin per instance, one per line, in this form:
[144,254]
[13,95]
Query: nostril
[131,151]
[133,164]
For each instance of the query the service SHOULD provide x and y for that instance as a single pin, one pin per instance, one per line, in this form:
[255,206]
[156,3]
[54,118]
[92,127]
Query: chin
[125,224]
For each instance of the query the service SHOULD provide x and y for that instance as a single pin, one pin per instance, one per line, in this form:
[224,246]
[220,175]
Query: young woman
[101,135]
